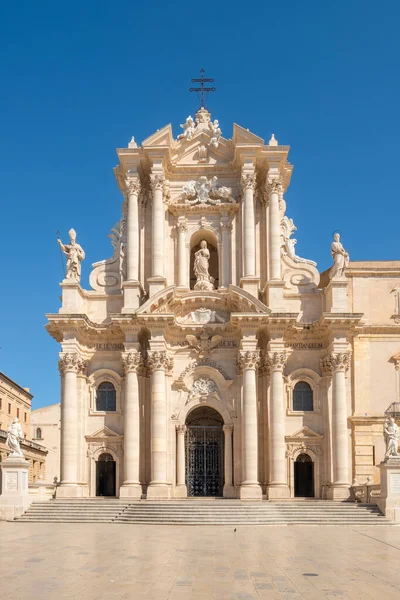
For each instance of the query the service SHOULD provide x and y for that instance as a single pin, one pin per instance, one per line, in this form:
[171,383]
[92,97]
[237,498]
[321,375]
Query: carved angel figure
[391,435]
[75,254]
[340,257]
[204,344]
[206,191]
[215,133]
[203,386]
[188,129]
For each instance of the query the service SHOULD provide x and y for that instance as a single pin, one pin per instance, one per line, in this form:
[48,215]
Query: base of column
[250,285]
[133,293]
[273,292]
[338,492]
[250,491]
[275,492]
[156,284]
[183,289]
[158,491]
[229,491]
[180,491]
[71,490]
[130,490]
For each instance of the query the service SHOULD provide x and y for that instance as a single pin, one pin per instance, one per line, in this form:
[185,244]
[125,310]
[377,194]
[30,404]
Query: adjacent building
[45,430]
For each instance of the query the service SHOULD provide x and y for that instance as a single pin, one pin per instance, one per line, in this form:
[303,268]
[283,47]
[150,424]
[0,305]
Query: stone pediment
[305,433]
[162,137]
[244,136]
[103,433]
[198,151]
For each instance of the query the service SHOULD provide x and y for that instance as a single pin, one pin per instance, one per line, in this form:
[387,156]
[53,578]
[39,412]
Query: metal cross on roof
[202,90]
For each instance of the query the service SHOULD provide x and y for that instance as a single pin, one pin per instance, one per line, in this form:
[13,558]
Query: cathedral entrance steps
[206,512]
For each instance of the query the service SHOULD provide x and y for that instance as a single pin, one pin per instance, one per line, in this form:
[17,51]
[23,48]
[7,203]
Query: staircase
[205,512]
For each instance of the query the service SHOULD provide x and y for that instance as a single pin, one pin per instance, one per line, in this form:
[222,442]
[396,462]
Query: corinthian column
[131,488]
[182,253]
[247,365]
[133,190]
[338,363]
[249,230]
[226,229]
[229,491]
[157,226]
[181,490]
[69,365]
[274,189]
[159,363]
[277,485]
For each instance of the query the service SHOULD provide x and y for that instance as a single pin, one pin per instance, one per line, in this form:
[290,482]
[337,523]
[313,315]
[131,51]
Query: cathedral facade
[208,359]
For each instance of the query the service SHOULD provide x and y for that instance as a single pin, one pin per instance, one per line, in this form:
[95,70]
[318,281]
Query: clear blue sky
[78,79]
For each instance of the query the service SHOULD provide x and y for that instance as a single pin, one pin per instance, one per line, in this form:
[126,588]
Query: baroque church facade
[208,359]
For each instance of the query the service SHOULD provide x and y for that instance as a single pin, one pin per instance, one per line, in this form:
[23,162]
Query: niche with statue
[204,261]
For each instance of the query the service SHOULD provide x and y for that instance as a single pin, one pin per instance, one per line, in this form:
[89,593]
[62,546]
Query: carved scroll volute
[248,359]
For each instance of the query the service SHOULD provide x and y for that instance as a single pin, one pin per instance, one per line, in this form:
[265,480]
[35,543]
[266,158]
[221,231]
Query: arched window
[38,433]
[302,397]
[106,397]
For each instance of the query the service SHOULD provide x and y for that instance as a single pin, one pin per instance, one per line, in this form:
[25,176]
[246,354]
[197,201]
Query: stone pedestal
[389,500]
[156,284]
[132,294]
[250,285]
[273,291]
[337,298]
[14,499]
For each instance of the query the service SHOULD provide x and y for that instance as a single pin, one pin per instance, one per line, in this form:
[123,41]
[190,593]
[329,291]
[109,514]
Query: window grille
[302,397]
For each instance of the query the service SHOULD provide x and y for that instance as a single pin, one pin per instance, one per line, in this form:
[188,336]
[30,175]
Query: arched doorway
[204,452]
[105,475]
[304,476]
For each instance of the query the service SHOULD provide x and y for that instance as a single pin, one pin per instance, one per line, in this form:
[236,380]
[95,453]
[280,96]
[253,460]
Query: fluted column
[159,362]
[69,365]
[247,365]
[157,226]
[228,466]
[226,271]
[133,190]
[274,188]
[180,461]
[249,230]
[338,363]
[131,362]
[182,253]
[277,485]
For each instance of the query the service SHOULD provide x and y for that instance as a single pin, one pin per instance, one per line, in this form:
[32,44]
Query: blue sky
[78,79]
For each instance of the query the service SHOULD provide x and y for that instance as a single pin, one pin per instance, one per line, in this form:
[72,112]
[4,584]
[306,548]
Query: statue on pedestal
[200,268]
[15,434]
[75,254]
[188,129]
[391,435]
[340,257]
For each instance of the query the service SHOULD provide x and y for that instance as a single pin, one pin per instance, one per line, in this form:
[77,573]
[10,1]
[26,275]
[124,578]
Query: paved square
[110,562]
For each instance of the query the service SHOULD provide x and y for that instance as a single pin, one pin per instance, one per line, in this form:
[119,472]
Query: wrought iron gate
[204,455]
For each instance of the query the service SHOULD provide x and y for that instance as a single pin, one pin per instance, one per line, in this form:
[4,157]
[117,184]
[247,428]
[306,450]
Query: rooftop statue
[215,133]
[340,257]
[75,254]
[14,435]
[188,129]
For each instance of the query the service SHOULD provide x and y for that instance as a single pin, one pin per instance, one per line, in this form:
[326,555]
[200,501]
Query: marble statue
[391,435]
[215,133]
[206,191]
[204,344]
[75,254]
[14,435]
[340,258]
[200,268]
[188,129]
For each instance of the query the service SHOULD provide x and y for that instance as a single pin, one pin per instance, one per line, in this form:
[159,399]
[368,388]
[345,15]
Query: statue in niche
[75,254]
[188,129]
[391,435]
[200,268]
[340,257]
[14,435]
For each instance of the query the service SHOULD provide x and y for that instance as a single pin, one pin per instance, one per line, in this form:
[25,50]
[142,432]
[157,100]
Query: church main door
[304,476]
[105,475]
[204,453]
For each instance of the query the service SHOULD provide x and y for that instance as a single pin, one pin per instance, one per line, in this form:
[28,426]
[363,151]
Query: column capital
[131,361]
[276,361]
[248,180]
[181,224]
[248,359]
[273,186]
[225,224]
[157,181]
[336,362]
[227,429]
[181,429]
[159,361]
[72,362]
[132,185]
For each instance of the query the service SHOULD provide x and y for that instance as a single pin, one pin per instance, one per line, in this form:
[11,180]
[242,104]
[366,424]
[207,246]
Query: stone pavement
[110,562]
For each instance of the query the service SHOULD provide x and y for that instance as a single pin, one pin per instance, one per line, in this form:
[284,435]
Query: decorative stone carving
[273,141]
[340,257]
[204,316]
[248,359]
[391,435]
[203,386]
[276,361]
[157,182]
[99,447]
[131,361]
[202,118]
[159,360]
[181,429]
[203,362]
[70,361]
[181,225]
[248,181]
[202,154]
[75,255]
[336,361]
[287,229]
[215,133]
[188,129]
[274,186]
[226,224]
[205,191]
[14,435]
[132,185]
[227,429]
[204,281]
[204,343]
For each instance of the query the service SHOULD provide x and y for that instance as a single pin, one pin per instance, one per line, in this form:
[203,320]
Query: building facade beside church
[208,359]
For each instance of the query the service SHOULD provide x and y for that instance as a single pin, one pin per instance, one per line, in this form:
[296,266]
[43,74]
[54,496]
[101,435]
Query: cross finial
[202,90]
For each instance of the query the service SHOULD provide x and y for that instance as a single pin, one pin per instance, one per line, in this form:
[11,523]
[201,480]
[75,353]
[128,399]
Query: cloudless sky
[79,78]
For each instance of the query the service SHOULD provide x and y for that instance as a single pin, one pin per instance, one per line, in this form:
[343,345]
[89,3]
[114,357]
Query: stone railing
[366,493]
[25,443]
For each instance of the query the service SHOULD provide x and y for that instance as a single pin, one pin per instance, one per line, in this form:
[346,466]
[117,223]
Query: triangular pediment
[244,136]
[304,433]
[162,137]
[104,432]
[189,153]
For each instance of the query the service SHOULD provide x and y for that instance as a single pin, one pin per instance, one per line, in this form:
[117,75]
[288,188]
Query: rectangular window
[1,403]
[9,408]
[25,417]
[17,413]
